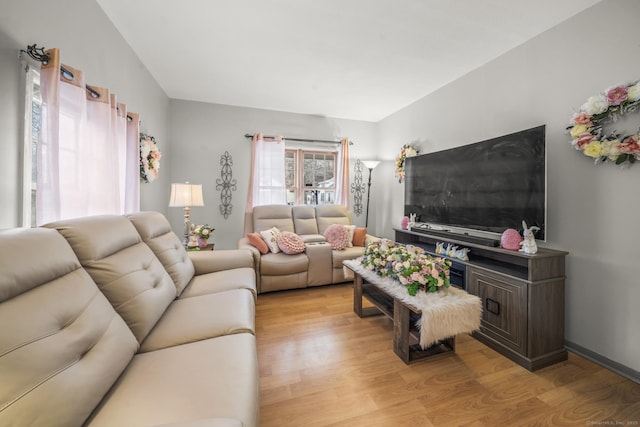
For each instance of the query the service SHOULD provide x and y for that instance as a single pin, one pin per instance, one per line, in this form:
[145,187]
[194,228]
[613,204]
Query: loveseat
[319,264]
[108,321]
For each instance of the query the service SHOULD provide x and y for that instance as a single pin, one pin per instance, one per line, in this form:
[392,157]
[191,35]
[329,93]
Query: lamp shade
[186,195]
[371,164]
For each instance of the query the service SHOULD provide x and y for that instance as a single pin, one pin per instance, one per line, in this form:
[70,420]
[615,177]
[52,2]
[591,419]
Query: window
[310,177]
[32,126]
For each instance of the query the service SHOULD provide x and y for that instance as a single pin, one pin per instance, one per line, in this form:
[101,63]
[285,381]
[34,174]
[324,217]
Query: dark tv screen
[488,186]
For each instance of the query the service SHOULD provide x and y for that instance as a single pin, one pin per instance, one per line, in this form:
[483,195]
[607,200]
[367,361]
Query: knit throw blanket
[445,313]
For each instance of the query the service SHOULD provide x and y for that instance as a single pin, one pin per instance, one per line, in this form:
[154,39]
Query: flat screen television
[483,188]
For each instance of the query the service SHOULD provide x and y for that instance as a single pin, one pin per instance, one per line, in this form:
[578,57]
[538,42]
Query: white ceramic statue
[528,245]
[463,254]
[451,250]
[412,221]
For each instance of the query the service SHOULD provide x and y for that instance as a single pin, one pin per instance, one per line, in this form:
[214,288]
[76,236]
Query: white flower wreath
[408,150]
[586,125]
[149,158]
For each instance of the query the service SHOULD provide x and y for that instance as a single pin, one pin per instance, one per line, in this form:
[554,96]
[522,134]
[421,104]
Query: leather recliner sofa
[108,321]
[318,265]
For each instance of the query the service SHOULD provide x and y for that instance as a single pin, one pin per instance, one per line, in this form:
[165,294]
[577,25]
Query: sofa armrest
[211,261]
[244,244]
[370,239]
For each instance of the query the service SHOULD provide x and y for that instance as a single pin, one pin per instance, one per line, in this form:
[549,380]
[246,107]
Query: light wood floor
[321,365]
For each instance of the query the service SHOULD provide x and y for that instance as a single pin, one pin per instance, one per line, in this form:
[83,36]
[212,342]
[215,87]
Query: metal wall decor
[226,184]
[357,188]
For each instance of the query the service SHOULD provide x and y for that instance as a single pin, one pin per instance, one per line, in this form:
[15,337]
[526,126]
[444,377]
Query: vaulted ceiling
[353,59]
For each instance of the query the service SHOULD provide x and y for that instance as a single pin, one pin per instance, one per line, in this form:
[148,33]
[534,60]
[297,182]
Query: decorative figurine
[440,248]
[193,241]
[510,239]
[451,250]
[405,222]
[462,254]
[412,221]
[529,243]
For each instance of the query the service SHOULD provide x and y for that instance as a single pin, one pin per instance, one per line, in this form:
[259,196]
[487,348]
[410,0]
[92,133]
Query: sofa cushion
[258,242]
[124,268]
[207,316]
[337,236]
[268,216]
[282,264]
[348,253]
[270,237]
[214,378]
[290,243]
[155,231]
[220,281]
[313,238]
[62,345]
[332,214]
[304,219]
[205,422]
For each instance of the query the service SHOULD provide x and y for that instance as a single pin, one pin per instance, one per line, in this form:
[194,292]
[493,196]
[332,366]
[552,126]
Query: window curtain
[267,177]
[132,169]
[86,162]
[342,175]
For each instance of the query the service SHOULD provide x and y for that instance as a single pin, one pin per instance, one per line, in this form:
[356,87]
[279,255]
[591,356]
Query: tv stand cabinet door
[504,307]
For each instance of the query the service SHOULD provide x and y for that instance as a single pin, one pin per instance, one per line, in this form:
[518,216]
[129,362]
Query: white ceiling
[353,59]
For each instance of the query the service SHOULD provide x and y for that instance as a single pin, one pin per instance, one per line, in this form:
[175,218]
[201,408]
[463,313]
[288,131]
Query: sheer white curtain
[84,156]
[267,178]
[342,175]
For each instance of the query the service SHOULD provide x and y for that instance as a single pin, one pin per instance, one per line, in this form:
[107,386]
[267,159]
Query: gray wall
[87,40]
[592,209]
[203,132]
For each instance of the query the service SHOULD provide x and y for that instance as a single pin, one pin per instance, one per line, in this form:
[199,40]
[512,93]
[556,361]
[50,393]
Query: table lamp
[186,195]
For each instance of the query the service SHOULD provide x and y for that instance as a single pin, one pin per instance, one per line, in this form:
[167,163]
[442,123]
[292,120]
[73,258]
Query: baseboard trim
[616,367]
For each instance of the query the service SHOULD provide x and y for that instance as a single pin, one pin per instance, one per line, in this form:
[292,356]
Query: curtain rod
[323,141]
[38,54]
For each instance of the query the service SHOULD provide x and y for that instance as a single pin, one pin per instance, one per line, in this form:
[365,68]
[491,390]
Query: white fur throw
[445,313]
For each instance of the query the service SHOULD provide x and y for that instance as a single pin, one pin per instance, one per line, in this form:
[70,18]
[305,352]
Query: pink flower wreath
[586,126]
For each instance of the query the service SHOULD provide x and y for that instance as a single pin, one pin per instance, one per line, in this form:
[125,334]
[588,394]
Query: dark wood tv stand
[522,297]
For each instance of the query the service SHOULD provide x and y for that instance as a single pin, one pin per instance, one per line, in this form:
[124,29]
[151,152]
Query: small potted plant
[202,233]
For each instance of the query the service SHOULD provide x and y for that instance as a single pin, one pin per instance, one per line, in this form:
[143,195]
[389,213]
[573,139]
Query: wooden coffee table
[406,336]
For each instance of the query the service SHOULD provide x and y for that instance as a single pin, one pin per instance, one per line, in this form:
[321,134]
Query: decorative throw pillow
[350,229]
[359,236]
[337,236]
[290,243]
[256,240]
[270,237]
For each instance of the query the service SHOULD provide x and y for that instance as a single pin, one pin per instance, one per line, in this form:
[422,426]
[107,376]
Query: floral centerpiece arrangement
[409,265]
[586,126]
[149,158]
[202,233]
[408,150]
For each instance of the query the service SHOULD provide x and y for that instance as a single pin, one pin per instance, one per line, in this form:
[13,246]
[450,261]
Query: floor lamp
[370,164]
[186,195]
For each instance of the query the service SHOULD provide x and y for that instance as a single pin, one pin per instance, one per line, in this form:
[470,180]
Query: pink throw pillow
[256,240]
[290,243]
[338,236]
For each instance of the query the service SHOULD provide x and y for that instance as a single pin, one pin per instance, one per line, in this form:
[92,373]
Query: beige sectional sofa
[108,321]
[318,265]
